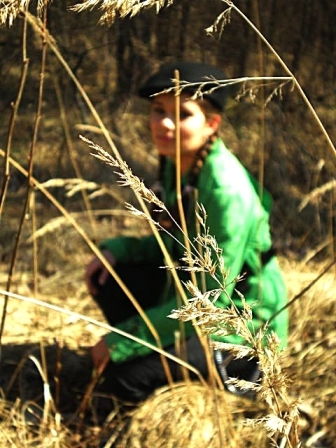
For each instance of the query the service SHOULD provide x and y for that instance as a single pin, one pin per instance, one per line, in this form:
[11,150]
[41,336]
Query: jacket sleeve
[124,349]
[142,250]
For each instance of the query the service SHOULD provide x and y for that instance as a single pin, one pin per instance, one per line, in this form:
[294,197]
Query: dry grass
[45,369]
[195,416]
[186,415]
[189,415]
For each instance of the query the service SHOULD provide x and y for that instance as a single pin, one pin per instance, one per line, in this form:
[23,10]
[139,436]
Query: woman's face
[195,127]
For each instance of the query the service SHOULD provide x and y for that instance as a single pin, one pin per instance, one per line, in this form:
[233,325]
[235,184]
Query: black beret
[191,72]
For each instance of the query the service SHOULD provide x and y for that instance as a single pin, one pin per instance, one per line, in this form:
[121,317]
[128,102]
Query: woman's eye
[184,114]
[158,110]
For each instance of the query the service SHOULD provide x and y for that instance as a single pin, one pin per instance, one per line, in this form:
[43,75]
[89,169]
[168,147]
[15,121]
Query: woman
[236,217]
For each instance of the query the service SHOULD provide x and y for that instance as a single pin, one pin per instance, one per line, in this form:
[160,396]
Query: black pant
[145,282]
[136,379]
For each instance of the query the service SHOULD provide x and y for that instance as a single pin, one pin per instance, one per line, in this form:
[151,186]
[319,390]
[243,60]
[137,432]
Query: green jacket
[240,223]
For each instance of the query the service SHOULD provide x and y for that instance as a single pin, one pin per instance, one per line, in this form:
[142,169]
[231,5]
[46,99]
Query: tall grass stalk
[30,166]
[94,249]
[202,310]
[282,418]
[107,327]
[177,92]
[11,127]
[71,151]
[36,26]
[42,31]
[288,71]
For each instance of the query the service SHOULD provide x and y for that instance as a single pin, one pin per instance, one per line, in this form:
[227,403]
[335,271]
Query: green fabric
[240,223]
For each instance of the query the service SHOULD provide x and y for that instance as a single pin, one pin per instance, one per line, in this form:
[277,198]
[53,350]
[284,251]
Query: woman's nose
[168,122]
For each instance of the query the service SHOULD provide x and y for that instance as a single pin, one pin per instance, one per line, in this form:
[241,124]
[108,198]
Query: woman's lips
[164,138]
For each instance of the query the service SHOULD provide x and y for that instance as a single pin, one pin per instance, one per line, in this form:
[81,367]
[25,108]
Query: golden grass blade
[287,70]
[105,326]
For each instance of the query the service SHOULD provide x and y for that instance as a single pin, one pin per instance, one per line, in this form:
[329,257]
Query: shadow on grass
[27,371]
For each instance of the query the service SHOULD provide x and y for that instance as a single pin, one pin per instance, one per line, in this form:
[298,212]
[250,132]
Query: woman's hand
[100,354]
[96,268]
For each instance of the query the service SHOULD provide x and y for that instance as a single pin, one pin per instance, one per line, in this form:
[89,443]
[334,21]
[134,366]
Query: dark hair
[204,79]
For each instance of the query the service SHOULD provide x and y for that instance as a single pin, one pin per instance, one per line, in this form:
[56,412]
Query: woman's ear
[214,121]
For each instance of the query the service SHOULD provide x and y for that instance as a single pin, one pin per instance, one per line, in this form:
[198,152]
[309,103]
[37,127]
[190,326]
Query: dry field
[46,376]
[47,394]
[189,415]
